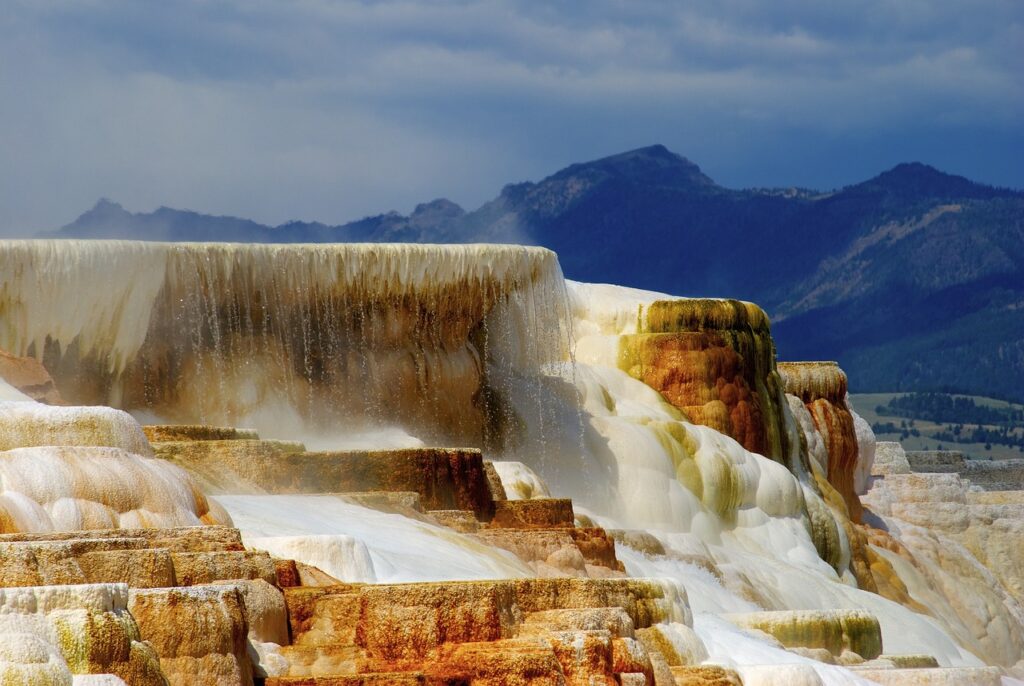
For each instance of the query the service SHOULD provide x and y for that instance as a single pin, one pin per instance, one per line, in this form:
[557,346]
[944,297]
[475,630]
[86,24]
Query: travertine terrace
[390,465]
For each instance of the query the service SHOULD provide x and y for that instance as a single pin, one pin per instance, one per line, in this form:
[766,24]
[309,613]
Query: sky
[322,110]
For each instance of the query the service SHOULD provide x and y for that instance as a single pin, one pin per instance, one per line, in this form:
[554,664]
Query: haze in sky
[312,109]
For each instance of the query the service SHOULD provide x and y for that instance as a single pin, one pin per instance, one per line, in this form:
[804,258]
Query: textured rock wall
[959,552]
[366,335]
[715,361]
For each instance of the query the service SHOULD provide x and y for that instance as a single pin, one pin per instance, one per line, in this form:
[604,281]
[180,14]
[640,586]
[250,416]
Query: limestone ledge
[836,631]
[444,478]
[960,553]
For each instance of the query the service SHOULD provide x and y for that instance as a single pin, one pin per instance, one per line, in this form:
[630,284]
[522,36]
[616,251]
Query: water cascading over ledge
[420,342]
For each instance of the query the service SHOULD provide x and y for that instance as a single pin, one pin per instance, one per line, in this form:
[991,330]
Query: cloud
[331,110]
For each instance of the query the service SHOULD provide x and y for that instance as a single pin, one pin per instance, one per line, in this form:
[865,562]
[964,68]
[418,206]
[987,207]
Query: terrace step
[444,478]
[176,539]
[942,676]
[833,630]
[160,433]
[542,513]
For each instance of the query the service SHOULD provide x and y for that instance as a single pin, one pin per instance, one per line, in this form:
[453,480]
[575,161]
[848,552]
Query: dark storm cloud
[329,110]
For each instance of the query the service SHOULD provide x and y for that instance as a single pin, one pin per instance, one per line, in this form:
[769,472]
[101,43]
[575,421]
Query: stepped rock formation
[479,474]
[821,386]
[990,475]
[959,552]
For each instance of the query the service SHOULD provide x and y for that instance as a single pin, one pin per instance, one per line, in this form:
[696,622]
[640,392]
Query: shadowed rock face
[715,361]
[321,336]
[445,479]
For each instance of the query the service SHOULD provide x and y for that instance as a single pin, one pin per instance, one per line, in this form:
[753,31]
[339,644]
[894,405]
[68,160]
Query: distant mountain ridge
[913,279]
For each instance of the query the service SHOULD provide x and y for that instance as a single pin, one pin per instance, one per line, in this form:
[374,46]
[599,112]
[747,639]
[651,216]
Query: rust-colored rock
[286,573]
[511,662]
[181,539]
[430,615]
[192,569]
[314,576]
[643,601]
[549,552]
[715,361]
[84,561]
[323,615]
[598,547]
[562,551]
[462,521]
[585,657]
[28,375]
[542,513]
[357,628]
[630,657]
[379,679]
[638,540]
[612,619]
[821,386]
[200,633]
[494,482]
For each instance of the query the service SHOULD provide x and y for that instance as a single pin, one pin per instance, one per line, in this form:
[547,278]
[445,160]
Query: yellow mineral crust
[699,314]
[812,380]
[48,633]
[832,630]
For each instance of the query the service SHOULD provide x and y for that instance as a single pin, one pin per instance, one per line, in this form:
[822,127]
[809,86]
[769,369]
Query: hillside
[981,428]
[912,280]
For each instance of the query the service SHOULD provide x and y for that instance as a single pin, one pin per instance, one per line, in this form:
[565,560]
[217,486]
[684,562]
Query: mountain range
[912,280]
